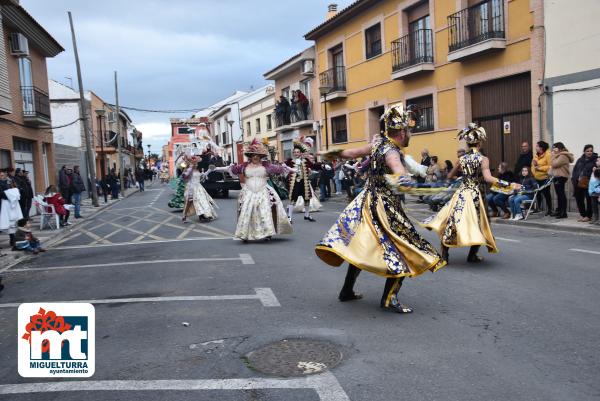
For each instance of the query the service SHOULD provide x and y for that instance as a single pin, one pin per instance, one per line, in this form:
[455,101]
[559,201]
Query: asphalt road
[524,325]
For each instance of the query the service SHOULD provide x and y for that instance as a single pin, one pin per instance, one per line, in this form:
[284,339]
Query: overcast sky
[174,54]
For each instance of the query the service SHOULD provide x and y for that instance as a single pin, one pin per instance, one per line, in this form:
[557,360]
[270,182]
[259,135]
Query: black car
[220,183]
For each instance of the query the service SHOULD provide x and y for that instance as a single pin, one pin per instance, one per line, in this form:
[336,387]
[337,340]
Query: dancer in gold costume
[373,233]
[463,222]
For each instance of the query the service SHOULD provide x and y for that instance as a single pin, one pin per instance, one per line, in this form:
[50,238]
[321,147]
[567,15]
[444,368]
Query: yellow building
[458,61]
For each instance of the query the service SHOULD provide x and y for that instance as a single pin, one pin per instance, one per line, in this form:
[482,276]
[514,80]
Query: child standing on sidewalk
[594,191]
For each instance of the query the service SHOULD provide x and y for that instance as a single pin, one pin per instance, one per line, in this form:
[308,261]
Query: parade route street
[180,306]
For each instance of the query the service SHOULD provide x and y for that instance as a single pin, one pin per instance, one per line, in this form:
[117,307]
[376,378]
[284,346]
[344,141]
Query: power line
[40,128]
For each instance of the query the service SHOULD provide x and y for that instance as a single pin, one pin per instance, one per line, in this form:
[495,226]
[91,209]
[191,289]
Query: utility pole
[119,156]
[91,157]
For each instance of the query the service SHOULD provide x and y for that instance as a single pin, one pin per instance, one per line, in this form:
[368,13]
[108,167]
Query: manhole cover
[295,357]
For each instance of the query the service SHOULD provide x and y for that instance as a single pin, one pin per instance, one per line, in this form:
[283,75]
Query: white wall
[64,108]
[572,36]
[575,116]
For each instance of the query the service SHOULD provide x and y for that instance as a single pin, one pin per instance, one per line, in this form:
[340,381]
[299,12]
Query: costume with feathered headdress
[299,180]
[463,221]
[373,233]
[260,211]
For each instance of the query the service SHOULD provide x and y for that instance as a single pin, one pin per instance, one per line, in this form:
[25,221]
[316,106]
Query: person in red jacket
[52,197]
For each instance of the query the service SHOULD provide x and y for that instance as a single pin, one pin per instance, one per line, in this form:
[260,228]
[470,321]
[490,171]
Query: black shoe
[475,258]
[350,297]
[561,216]
[309,218]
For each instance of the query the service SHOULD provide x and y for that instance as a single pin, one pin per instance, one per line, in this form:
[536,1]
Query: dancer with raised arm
[197,200]
[463,221]
[260,211]
[299,181]
[373,233]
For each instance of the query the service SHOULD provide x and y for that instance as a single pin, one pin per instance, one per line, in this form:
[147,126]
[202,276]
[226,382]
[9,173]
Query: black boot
[473,256]
[446,253]
[389,299]
[347,293]
[12,240]
[1,285]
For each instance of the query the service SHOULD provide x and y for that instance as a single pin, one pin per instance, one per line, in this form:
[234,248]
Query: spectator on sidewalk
[434,173]
[528,186]
[25,240]
[64,184]
[594,191]
[525,158]
[338,176]
[52,197]
[540,165]
[582,172]
[10,210]
[25,191]
[497,200]
[77,187]
[139,177]
[113,182]
[560,161]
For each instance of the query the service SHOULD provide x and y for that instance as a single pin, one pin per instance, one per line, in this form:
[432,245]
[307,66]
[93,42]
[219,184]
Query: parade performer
[299,181]
[373,233]
[463,221]
[260,211]
[197,200]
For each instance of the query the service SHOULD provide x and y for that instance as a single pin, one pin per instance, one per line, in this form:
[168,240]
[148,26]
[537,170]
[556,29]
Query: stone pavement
[48,236]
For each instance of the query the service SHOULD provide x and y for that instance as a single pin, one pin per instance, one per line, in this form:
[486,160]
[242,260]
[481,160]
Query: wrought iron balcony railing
[36,103]
[475,24]
[411,49]
[334,78]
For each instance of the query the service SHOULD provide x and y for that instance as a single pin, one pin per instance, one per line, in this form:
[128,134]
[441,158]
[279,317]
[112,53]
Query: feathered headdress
[472,134]
[255,148]
[398,118]
[303,144]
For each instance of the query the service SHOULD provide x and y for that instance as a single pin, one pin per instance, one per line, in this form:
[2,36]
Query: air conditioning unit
[112,117]
[19,46]
[308,67]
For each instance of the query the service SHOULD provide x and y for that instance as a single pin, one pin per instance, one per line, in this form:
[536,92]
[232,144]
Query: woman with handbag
[540,165]
[581,180]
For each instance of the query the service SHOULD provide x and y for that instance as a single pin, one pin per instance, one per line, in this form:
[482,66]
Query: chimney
[331,11]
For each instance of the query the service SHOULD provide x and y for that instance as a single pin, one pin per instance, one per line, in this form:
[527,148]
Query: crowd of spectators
[292,110]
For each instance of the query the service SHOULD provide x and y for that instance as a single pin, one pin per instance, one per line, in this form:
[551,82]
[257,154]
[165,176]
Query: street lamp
[324,89]
[100,113]
[148,155]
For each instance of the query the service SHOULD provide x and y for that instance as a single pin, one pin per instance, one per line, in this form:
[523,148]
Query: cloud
[175,54]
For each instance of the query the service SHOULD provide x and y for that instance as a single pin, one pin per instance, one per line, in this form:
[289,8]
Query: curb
[549,226]
[61,234]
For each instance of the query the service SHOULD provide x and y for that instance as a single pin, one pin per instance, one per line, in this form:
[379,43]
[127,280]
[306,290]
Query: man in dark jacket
[524,159]
[21,185]
[77,187]
[63,183]
[139,177]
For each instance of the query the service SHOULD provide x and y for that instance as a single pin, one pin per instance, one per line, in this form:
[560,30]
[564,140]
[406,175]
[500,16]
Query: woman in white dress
[260,211]
[197,200]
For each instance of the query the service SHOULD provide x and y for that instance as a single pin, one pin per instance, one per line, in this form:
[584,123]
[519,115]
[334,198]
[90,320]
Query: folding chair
[48,215]
[533,202]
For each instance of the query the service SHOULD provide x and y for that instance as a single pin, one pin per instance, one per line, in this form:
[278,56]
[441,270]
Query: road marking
[578,250]
[245,258]
[264,295]
[141,243]
[507,239]
[267,298]
[325,384]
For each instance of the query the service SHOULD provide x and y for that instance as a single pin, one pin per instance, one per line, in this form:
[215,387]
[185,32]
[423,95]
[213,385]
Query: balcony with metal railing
[36,106]
[412,53]
[477,29]
[295,117]
[335,80]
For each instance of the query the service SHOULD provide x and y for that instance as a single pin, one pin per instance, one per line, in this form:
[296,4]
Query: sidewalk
[48,237]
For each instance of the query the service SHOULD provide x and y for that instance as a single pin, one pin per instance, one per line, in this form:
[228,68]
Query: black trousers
[390,290]
[298,191]
[584,202]
[559,188]
[545,193]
